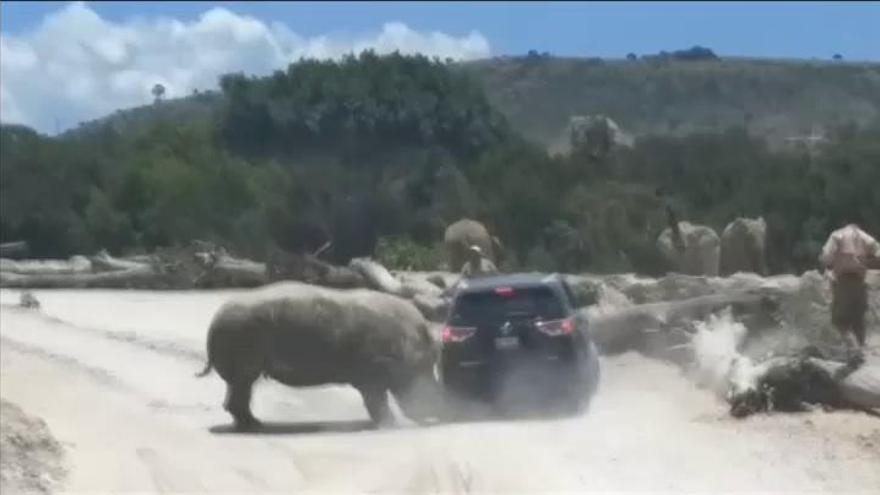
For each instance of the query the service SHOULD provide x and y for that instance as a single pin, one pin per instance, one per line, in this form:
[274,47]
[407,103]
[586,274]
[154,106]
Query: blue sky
[608,29]
[62,63]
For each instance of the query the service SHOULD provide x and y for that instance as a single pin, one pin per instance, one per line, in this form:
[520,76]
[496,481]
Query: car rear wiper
[523,316]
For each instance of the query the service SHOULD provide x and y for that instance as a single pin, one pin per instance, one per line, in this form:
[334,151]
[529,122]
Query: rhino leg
[376,401]
[238,403]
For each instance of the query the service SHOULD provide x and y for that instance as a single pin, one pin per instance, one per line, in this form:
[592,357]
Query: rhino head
[415,386]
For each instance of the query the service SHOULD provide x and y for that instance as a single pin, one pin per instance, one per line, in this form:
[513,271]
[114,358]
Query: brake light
[555,328]
[457,334]
[504,291]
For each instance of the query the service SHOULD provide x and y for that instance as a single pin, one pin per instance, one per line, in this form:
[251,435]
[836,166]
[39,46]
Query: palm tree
[158,92]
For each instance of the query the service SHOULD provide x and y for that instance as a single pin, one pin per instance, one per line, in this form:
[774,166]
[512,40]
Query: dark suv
[520,338]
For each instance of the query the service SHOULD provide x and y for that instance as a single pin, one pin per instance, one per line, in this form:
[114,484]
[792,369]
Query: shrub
[401,253]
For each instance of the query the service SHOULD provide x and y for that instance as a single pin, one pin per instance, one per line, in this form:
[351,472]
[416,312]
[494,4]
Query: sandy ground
[111,374]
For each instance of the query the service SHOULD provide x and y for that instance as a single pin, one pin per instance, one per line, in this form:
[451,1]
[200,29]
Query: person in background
[477,264]
[849,253]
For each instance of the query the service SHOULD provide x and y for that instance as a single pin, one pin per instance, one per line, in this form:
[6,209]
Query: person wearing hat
[477,264]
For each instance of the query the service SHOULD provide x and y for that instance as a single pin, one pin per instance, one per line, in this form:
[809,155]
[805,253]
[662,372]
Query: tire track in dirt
[98,374]
[161,375]
[117,445]
[161,346]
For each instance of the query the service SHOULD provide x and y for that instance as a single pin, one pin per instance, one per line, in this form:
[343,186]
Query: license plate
[507,343]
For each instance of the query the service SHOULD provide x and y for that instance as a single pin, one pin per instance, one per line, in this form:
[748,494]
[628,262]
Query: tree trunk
[378,278]
[306,268]
[141,278]
[103,262]
[629,328]
[426,296]
[75,265]
[227,271]
[15,249]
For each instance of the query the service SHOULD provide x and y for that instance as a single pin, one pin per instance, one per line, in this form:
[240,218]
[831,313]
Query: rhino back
[314,335]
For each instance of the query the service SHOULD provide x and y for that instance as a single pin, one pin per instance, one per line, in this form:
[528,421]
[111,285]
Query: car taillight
[504,291]
[556,328]
[457,334]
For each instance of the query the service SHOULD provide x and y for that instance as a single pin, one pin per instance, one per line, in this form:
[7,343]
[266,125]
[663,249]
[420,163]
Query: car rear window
[489,307]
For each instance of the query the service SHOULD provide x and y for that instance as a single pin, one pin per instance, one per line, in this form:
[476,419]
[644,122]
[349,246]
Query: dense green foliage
[359,105]
[403,253]
[378,154]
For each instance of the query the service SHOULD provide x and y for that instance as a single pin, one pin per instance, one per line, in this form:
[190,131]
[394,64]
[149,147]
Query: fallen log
[282,265]
[75,265]
[13,249]
[206,271]
[427,297]
[419,285]
[226,271]
[141,258]
[141,278]
[628,328]
[103,262]
[378,278]
[404,285]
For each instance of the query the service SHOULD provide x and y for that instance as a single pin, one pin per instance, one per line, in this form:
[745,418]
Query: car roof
[516,281]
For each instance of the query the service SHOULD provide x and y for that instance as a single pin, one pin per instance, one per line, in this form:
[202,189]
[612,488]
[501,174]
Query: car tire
[578,401]
[573,405]
[594,372]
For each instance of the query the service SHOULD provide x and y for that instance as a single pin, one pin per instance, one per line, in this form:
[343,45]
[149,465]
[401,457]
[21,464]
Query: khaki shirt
[848,250]
[486,267]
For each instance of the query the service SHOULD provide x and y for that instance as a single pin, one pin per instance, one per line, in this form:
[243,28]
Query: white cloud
[77,66]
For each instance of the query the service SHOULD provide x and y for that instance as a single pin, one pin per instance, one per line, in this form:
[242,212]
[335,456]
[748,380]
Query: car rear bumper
[525,377]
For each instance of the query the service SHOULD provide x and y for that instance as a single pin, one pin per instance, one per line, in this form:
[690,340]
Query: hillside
[198,106]
[776,99]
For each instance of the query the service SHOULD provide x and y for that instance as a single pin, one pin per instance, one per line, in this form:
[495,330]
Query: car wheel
[594,372]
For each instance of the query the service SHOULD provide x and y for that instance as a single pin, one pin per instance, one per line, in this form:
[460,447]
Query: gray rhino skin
[597,134]
[466,233]
[303,335]
[702,250]
[743,247]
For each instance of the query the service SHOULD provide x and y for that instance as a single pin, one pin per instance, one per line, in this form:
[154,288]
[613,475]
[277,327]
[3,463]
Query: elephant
[303,335]
[461,235]
[696,252]
[743,247]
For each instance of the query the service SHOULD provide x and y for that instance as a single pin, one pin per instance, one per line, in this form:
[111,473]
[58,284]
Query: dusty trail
[111,373]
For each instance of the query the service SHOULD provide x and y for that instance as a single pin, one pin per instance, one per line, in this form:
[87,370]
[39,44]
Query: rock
[31,460]
[28,300]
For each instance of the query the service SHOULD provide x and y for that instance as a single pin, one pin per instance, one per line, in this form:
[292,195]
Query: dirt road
[111,374]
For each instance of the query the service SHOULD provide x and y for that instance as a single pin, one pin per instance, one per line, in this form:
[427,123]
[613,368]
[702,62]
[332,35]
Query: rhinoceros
[304,335]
